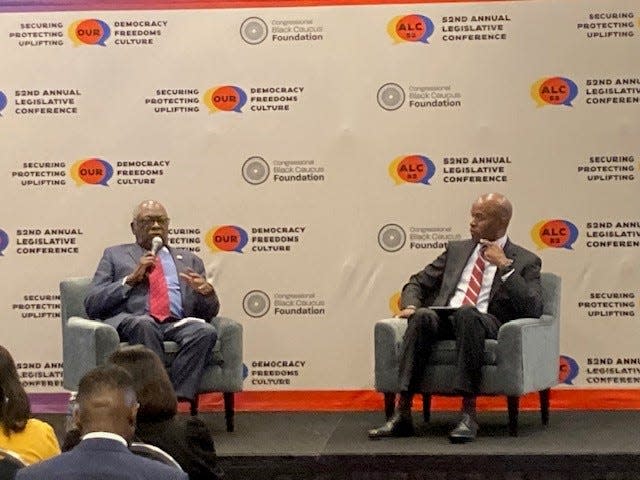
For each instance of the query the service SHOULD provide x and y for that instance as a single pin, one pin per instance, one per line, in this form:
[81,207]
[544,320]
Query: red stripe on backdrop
[92,5]
[561,399]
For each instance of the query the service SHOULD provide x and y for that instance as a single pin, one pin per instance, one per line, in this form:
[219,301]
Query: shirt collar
[502,241]
[105,435]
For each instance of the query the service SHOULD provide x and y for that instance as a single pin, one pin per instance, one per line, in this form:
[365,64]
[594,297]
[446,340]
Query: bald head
[150,220]
[107,402]
[490,216]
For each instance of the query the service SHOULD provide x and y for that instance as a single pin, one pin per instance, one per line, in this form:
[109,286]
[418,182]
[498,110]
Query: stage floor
[585,445]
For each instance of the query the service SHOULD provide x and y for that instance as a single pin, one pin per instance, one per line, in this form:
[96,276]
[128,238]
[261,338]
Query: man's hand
[142,269]
[493,253]
[197,282]
[406,312]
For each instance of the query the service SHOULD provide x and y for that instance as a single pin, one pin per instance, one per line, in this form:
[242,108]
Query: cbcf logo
[255,170]
[254,30]
[4,241]
[554,234]
[89,32]
[568,370]
[256,303]
[412,169]
[554,91]
[391,237]
[91,171]
[225,98]
[226,238]
[391,96]
[3,101]
[410,28]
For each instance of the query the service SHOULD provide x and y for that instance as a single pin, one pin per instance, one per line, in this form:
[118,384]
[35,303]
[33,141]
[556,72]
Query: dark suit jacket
[100,459]
[520,295]
[111,301]
[188,441]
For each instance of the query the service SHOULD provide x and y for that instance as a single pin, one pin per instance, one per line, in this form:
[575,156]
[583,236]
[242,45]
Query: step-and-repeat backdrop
[315,157]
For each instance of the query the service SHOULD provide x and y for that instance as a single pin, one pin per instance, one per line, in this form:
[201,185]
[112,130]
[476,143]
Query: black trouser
[467,326]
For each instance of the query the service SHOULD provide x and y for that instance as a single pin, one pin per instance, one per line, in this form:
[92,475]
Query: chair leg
[194,406]
[229,400]
[426,407]
[544,405]
[389,404]
[513,403]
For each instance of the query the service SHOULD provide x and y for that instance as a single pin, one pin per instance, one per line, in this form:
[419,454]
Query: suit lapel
[510,252]
[136,251]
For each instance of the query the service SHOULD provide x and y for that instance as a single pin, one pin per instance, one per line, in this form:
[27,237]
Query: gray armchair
[524,358]
[87,344]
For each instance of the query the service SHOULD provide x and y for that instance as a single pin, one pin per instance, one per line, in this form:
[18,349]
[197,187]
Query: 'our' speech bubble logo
[225,98]
[226,238]
[568,370]
[412,169]
[3,101]
[410,28]
[394,303]
[554,234]
[554,91]
[4,241]
[89,32]
[91,171]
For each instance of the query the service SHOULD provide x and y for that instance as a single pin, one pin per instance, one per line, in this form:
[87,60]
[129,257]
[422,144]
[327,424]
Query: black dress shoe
[465,431]
[398,426]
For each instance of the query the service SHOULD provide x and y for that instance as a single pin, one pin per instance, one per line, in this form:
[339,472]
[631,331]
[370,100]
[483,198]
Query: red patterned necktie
[475,282]
[158,293]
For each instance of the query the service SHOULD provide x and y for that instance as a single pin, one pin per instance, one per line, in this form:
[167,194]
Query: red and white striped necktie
[475,282]
[158,293]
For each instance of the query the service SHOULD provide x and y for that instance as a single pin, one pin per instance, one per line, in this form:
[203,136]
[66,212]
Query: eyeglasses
[148,221]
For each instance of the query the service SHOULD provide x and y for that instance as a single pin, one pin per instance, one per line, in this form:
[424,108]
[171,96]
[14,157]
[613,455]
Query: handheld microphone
[156,244]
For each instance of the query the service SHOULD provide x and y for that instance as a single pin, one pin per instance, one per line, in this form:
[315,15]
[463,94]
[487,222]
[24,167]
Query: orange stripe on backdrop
[561,399]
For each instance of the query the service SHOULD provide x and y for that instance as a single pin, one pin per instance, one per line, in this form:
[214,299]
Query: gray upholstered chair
[87,344]
[154,453]
[524,359]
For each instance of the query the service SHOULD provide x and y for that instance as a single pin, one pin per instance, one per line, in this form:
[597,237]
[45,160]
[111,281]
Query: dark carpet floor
[584,445]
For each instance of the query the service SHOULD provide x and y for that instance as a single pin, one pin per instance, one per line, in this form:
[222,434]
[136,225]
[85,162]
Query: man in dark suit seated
[488,280]
[150,293]
[107,418]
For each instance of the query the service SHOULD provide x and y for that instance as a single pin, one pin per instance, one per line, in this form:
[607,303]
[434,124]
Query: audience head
[14,403]
[150,220]
[107,402]
[153,387]
[490,216]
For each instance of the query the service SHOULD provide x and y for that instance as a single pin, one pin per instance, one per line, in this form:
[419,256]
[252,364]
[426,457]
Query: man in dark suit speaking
[150,293]
[489,281]
[107,419]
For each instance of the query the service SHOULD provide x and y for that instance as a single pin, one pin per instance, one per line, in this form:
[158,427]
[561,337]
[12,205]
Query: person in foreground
[31,439]
[106,416]
[150,293]
[187,440]
[489,280]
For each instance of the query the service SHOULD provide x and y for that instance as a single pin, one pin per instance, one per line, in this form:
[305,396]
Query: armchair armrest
[388,335]
[527,354]
[230,341]
[86,344]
